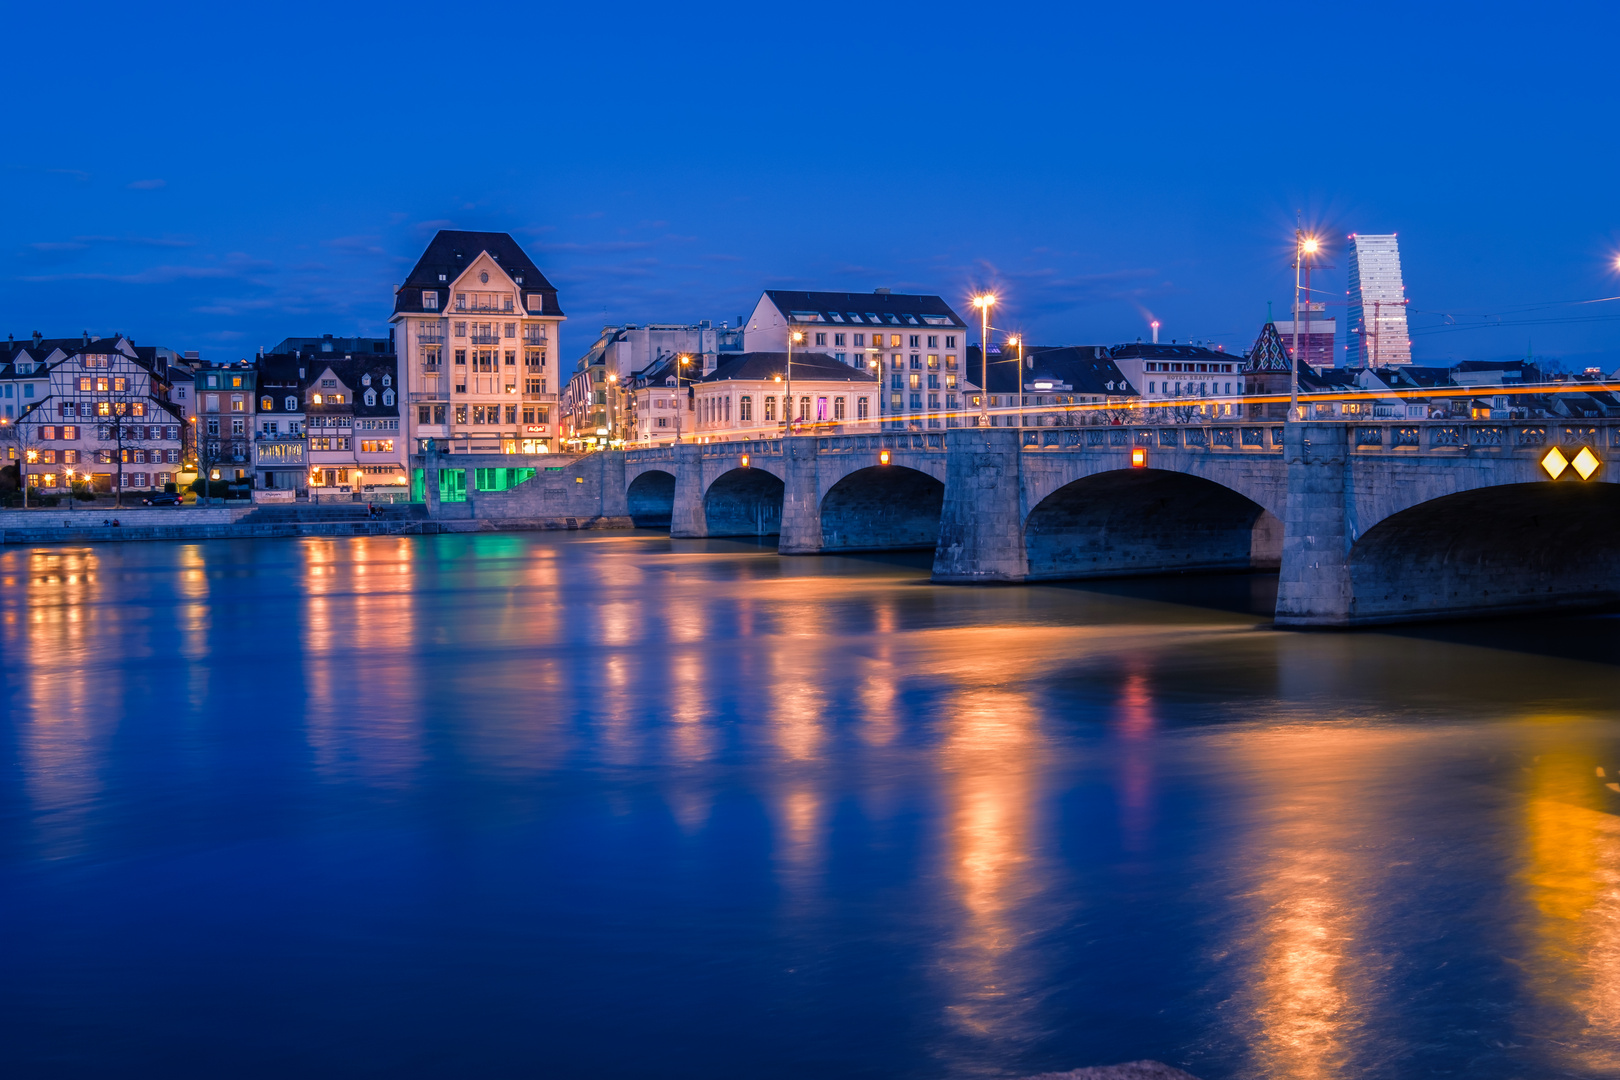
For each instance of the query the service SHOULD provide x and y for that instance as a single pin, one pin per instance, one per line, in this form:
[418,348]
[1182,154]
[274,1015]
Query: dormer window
[388,380]
[388,397]
[365,380]
[291,403]
[267,403]
[536,302]
[371,398]
[430,298]
[443,277]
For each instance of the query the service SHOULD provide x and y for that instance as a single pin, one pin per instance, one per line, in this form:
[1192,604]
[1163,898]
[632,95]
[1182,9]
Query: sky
[219,177]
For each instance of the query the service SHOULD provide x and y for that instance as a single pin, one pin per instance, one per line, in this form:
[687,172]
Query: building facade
[1164,375]
[1318,334]
[914,343]
[280,451]
[99,413]
[1377,332]
[476,328]
[225,400]
[352,424]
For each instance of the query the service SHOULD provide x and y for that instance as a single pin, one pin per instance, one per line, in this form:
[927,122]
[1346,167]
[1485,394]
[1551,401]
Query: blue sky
[218,177]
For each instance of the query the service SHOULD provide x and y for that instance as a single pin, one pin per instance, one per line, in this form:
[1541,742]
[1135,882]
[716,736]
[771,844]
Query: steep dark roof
[1078,369]
[895,310]
[765,365]
[351,374]
[1269,352]
[450,252]
[341,345]
[1139,350]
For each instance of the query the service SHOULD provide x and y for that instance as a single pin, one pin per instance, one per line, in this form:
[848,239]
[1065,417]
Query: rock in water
[1130,1070]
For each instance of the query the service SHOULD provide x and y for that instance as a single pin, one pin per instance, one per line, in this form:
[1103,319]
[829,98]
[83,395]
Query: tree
[21,439]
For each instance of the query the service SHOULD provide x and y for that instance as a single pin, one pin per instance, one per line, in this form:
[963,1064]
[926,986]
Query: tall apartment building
[475,328]
[916,343]
[1377,333]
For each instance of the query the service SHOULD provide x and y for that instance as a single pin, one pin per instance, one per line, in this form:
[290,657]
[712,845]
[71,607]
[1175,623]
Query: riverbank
[73,526]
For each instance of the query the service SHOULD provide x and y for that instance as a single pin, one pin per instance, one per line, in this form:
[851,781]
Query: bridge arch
[882,507]
[650,499]
[1148,521]
[744,502]
[1512,547]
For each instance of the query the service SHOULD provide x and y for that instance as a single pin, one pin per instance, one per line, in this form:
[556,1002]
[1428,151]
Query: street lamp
[1303,246]
[680,402]
[1019,341]
[983,302]
[794,335]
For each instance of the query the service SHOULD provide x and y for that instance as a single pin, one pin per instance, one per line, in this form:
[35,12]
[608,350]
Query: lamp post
[1019,341]
[793,335]
[1303,246]
[983,302]
[680,402]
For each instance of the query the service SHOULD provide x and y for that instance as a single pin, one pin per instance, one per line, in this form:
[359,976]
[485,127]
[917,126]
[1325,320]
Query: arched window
[371,397]
[388,395]
[291,403]
[266,403]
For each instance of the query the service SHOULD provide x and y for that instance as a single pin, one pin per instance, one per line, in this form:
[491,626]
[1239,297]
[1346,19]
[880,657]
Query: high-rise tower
[1377,317]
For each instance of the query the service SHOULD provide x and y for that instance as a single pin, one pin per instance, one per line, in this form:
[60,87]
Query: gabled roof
[811,367]
[352,373]
[1269,352]
[451,252]
[856,310]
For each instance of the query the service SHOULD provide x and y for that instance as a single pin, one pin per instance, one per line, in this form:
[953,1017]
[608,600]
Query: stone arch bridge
[1366,522]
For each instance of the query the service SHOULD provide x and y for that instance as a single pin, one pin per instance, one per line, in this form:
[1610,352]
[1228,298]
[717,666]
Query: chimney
[87,337]
[1155,331]
[37,339]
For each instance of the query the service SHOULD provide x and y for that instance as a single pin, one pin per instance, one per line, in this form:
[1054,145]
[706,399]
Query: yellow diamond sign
[1555,463]
[1586,463]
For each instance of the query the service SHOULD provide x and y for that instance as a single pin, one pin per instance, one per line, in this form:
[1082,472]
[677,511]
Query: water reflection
[1571,878]
[647,802]
[990,759]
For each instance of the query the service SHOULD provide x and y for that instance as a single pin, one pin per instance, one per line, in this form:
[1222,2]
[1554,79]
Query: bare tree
[21,439]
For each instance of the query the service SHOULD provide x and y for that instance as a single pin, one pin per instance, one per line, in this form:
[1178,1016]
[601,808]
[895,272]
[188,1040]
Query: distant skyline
[220,180]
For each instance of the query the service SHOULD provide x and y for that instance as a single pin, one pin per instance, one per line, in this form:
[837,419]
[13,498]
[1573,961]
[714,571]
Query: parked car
[162,499]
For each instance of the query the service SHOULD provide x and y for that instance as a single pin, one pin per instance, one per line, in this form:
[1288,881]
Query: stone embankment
[65,525]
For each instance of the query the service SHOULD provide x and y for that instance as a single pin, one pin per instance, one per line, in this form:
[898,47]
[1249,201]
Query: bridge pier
[801,499]
[687,521]
[1314,587]
[981,528]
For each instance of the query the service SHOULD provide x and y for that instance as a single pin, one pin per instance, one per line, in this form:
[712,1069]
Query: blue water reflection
[608,805]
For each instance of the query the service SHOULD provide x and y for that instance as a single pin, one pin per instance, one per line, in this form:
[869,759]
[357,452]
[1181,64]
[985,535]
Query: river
[604,804]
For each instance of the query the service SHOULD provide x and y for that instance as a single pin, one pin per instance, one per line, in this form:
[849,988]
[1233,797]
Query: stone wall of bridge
[1366,522]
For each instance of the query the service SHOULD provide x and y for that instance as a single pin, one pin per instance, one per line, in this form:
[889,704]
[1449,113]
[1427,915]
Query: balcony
[484,339]
[503,307]
[430,335]
[428,397]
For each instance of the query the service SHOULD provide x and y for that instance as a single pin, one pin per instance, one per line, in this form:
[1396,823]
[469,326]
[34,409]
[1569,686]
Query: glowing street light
[984,301]
[1303,246]
[793,335]
[680,402]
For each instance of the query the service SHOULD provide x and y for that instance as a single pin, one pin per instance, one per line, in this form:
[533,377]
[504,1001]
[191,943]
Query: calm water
[590,805]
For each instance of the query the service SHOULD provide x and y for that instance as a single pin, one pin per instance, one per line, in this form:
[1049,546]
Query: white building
[915,343]
[1162,375]
[476,332]
[1377,332]
[746,396]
